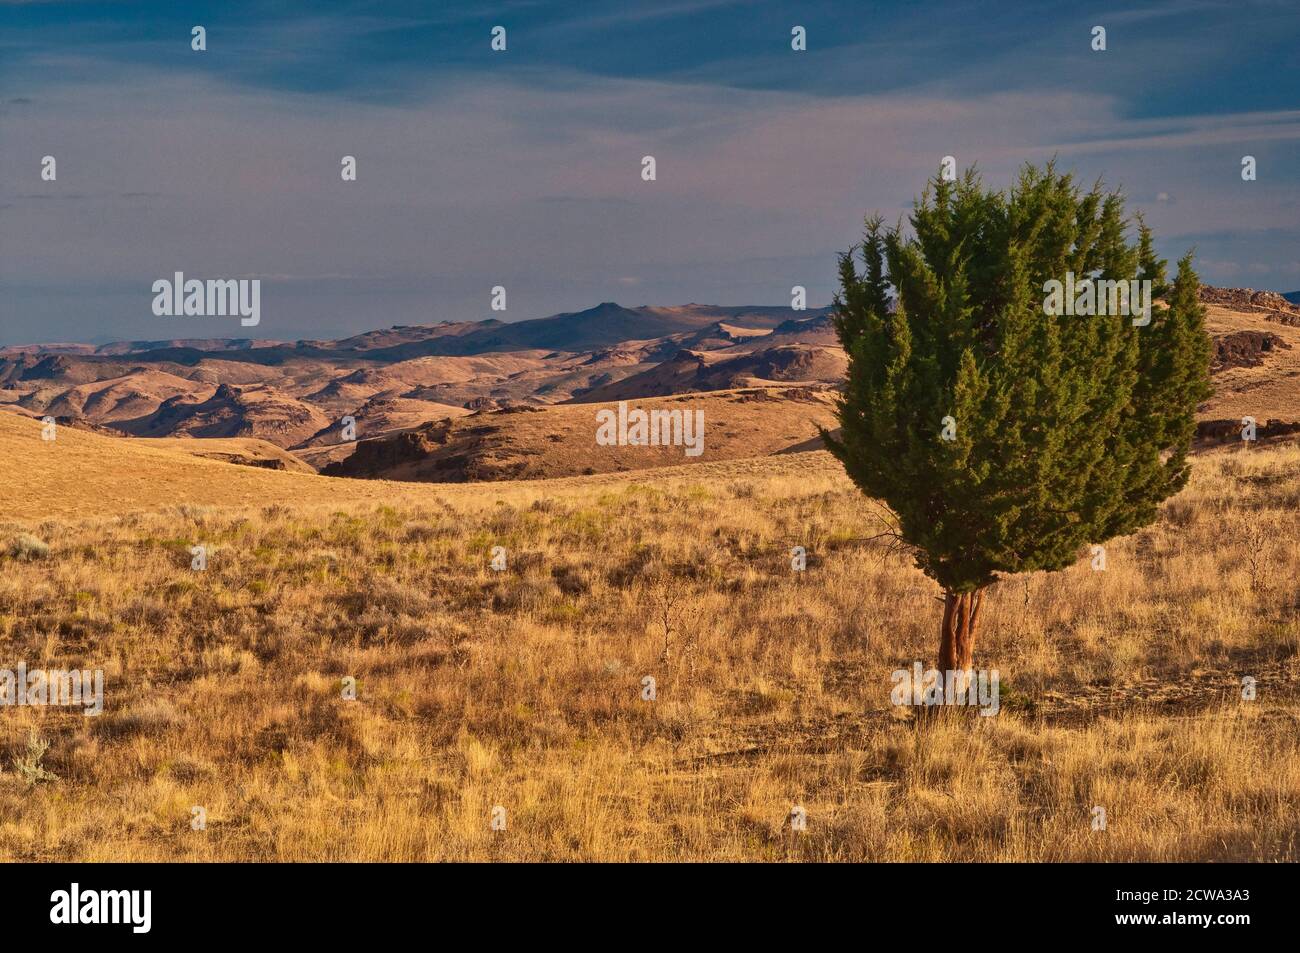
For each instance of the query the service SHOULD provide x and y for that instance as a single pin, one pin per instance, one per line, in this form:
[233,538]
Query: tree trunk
[961,614]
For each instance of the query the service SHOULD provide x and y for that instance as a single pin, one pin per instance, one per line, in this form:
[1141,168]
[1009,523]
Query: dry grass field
[1271,390]
[522,688]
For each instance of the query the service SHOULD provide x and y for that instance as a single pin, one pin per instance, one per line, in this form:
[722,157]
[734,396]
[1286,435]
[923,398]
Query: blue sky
[522,168]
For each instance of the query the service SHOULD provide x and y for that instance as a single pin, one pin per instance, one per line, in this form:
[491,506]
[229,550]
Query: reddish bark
[961,613]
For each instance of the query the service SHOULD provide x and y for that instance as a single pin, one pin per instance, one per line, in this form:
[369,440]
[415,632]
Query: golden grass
[522,688]
[81,475]
[1266,392]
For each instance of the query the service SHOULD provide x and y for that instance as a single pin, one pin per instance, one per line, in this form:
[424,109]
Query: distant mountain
[818,330]
[114,346]
[693,371]
[198,344]
[715,336]
[259,411]
[1292,296]
[390,379]
[113,400]
[603,326]
[462,400]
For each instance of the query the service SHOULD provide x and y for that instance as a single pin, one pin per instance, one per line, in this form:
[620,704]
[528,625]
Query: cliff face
[1229,431]
[375,458]
[1245,348]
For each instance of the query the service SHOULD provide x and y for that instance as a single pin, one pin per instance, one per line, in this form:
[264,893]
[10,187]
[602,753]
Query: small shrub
[27,548]
[29,765]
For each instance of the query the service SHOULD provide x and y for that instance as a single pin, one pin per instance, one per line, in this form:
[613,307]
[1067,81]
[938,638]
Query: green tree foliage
[1069,429]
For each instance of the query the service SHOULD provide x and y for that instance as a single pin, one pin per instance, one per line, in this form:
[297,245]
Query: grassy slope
[559,440]
[1270,391]
[83,476]
[521,688]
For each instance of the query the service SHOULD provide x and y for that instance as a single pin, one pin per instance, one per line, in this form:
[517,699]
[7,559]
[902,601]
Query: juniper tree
[1064,430]
[1150,268]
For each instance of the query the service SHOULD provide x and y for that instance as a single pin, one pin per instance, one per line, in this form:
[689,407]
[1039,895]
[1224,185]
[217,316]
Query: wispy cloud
[524,169]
